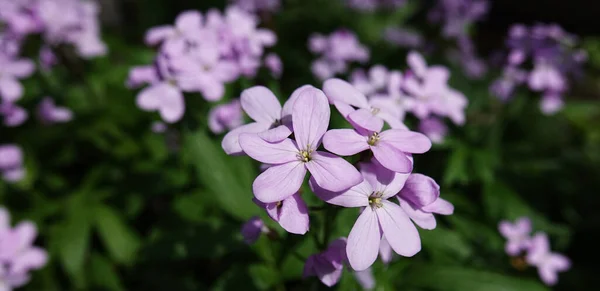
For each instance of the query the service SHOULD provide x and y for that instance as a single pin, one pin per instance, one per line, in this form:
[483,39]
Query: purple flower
[17,254]
[47,58]
[420,199]
[434,128]
[14,115]
[337,51]
[255,6]
[272,122]
[165,98]
[291,159]
[369,114]
[379,218]
[370,5]
[392,148]
[49,113]
[225,117]
[291,213]
[11,163]
[551,103]
[547,262]
[273,63]
[11,70]
[546,77]
[458,15]
[252,229]
[517,235]
[174,38]
[504,87]
[328,265]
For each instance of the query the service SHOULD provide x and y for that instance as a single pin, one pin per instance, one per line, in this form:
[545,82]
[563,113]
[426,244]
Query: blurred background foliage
[122,208]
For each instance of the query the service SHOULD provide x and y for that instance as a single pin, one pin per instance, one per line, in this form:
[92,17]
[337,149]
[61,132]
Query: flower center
[276,123]
[373,139]
[375,200]
[304,155]
[375,110]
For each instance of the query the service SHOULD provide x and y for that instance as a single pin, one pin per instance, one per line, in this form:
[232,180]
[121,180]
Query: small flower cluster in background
[337,51]
[256,6]
[536,248]
[383,175]
[371,5]
[200,54]
[18,256]
[544,57]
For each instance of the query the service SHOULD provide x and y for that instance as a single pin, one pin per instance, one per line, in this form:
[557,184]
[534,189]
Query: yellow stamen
[373,139]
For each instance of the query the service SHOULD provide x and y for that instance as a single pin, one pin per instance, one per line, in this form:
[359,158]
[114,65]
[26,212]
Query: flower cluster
[255,6]
[18,256]
[336,52]
[458,15]
[383,175]
[423,90]
[544,57]
[200,54]
[536,248]
[371,5]
[11,163]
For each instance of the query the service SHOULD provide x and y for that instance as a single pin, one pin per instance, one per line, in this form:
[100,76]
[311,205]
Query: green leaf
[453,278]
[446,243]
[120,240]
[456,171]
[223,176]
[104,274]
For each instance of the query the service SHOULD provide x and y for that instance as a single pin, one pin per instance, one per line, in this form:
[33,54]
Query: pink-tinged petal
[523,225]
[189,21]
[413,88]
[391,158]
[365,279]
[507,230]
[26,233]
[417,63]
[356,196]
[385,251]
[288,107]
[420,190]
[559,262]
[439,206]
[231,144]
[310,118]
[276,134]
[407,141]
[159,34]
[438,75]
[363,241]
[339,90]
[425,220]
[20,68]
[261,104]
[366,120]
[32,258]
[293,215]
[327,273]
[332,172]
[11,89]
[149,98]
[345,142]
[279,182]
[343,108]
[539,249]
[270,153]
[381,179]
[398,229]
[548,275]
[172,105]
[393,121]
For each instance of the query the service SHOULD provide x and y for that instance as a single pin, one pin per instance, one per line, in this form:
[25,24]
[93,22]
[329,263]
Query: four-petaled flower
[517,235]
[547,262]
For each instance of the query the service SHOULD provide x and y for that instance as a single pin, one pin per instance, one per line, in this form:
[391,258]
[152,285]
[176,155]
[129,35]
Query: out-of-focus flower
[547,262]
[385,251]
[13,114]
[371,5]
[274,64]
[47,58]
[292,159]
[336,52]
[252,229]
[328,265]
[11,163]
[225,117]
[256,6]
[517,235]
[434,128]
[11,70]
[458,15]
[49,113]
[365,278]
[420,199]
[379,217]
[18,256]
[158,127]
[291,213]
[546,58]
[403,37]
